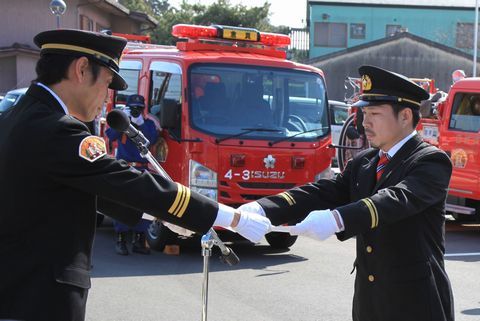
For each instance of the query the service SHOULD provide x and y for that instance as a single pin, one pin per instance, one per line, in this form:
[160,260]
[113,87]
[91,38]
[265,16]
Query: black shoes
[121,245]
[139,244]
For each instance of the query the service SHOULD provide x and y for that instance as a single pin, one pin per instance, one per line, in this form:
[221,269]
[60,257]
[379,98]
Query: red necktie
[382,163]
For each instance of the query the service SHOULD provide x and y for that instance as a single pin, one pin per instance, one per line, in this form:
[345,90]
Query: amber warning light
[230,33]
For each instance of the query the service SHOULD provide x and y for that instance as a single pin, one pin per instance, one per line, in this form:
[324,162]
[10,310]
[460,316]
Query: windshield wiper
[247,131]
[271,143]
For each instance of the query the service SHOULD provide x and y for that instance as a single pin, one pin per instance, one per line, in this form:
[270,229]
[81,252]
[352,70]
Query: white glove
[319,225]
[177,229]
[252,226]
[138,120]
[252,207]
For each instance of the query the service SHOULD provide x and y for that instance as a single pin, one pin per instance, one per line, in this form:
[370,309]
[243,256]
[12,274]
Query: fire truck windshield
[227,99]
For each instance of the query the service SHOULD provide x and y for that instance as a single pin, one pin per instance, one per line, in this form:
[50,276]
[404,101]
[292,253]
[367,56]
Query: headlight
[203,180]
[327,173]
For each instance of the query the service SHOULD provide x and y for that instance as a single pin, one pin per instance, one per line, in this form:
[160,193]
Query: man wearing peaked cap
[391,198]
[104,49]
[380,85]
[53,169]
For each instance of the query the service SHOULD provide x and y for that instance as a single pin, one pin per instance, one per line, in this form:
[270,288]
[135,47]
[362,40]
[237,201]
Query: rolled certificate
[281,229]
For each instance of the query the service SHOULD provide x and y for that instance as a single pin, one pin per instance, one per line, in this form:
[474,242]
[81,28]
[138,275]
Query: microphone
[121,123]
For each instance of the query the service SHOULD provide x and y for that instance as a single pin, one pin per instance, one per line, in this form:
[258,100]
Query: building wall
[405,56]
[8,76]
[436,24]
[25,69]
[23,19]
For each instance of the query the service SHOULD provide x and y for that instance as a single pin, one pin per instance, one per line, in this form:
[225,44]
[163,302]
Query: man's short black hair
[415,113]
[52,68]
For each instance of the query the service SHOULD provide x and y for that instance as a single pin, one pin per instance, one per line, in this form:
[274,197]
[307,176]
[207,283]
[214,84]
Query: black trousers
[39,297]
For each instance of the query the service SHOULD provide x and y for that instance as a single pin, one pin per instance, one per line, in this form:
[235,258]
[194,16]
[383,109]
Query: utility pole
[475,39]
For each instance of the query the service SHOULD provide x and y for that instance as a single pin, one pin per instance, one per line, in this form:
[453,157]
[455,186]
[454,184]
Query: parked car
[338,114]
[11,99]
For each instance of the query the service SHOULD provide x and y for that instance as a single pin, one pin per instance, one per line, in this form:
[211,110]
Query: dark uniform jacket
[399,225]
[48,194]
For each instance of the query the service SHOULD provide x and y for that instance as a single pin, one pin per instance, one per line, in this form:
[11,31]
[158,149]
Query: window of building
[100,27]
[357,31]
[330,34]
[86,23]
[392,30]
[464,37]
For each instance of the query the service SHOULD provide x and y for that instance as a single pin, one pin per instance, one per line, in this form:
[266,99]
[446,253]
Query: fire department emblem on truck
[269,161]
[459,158]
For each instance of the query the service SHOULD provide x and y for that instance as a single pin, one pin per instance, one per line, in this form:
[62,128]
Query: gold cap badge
[366,83]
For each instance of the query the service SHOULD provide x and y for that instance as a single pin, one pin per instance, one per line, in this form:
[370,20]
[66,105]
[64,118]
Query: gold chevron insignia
[181,201]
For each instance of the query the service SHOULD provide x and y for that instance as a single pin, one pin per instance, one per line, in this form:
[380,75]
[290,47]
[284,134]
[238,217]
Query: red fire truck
[238,120]
[449,122]
[453,124]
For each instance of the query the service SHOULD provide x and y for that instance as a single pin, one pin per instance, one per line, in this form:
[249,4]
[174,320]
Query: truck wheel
[157,235]
[350,136]
[280,240]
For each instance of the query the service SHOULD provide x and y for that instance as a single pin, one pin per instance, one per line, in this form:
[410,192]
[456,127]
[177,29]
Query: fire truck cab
[238,121]
[454,126]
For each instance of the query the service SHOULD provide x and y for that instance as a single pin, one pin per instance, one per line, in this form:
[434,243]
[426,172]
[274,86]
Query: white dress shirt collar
[56,97]
[398,145]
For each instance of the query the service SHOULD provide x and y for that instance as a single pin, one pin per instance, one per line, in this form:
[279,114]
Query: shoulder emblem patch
[92,148]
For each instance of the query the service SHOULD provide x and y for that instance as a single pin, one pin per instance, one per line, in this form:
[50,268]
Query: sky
[282,12]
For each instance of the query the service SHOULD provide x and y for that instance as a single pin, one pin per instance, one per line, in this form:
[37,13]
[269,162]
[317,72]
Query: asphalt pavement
[309,282]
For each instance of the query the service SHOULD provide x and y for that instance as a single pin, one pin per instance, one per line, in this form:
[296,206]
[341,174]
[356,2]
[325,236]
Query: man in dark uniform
[52,170]
[392,199]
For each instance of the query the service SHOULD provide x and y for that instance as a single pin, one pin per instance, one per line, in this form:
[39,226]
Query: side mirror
[169,114]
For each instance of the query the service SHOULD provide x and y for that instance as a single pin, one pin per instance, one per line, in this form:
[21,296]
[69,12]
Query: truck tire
[157,235]
[351,136]
[280,240]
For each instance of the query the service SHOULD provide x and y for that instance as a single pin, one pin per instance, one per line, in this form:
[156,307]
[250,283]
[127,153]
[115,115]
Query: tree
[221,12]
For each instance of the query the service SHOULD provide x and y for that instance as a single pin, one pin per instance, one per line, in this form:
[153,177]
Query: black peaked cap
[381,86]
[102,48]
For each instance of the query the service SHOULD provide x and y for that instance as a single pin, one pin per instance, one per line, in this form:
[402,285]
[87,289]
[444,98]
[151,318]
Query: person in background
[128,151]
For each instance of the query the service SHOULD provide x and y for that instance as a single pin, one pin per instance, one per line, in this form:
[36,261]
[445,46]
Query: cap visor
[118,83]
[363,103]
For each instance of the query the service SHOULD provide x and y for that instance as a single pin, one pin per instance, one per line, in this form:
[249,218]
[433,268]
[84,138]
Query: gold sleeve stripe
[185,202]
[174,206]
[373,211]
[288,198]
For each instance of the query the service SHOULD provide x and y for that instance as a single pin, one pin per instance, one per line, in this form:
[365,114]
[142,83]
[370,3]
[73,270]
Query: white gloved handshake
[320,224]
[249,225]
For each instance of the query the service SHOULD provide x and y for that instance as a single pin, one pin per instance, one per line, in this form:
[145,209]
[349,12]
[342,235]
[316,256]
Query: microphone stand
[208,240]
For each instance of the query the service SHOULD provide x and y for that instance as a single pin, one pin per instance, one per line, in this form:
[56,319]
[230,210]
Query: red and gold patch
[459,158]
[92,148]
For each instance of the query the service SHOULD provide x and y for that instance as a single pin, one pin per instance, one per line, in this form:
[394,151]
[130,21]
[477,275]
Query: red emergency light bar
[230,33]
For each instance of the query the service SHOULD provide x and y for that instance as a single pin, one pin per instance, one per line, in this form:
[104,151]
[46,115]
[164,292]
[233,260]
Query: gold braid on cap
[89,51]
[398,99]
